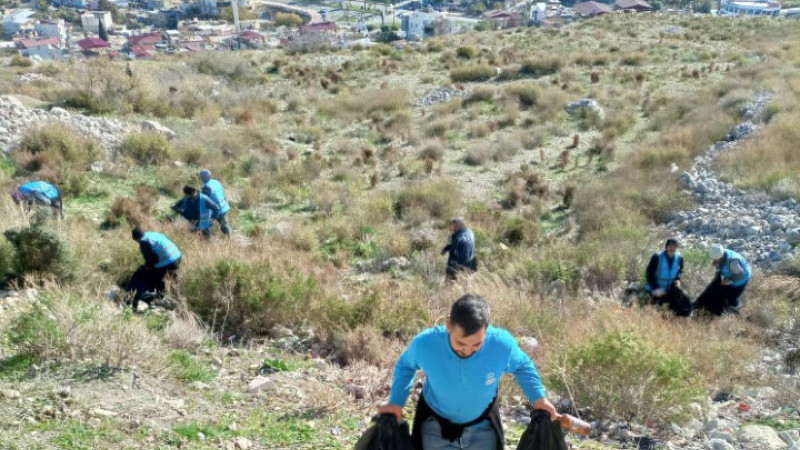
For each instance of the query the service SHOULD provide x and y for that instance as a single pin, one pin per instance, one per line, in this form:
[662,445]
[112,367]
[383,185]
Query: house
[52,29]
[18,22]
[143,51]
[252,37]
[633,6]
[592,9]
[145,39]
[504,19]
[750,8]
[320,27]
[421,24]
[90,21]
[538,13]
[92,44]
[48,48]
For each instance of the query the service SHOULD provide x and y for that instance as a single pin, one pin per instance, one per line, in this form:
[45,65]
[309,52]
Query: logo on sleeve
[491,379]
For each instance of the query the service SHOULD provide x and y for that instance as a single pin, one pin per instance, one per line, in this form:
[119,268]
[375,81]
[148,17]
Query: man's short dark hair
[189,190]
[471,312]
[137,233]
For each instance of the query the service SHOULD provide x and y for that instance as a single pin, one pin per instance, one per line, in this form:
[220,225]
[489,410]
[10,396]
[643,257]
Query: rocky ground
[763,229]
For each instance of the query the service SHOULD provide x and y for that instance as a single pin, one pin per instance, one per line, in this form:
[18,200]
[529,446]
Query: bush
[39,251]
[37,334]
[620,374]
[479,94]
[432,150]
[528,94]
[235,298]
[147,149]
[466,52]
[20,61]
[633,59]
[287,20]
[438,200]
[135,211]
[474,72]
[186,368]
[526,187]
[55,148]
[541,66]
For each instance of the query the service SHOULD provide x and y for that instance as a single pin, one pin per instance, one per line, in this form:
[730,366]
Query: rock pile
[763,229]
[441,95]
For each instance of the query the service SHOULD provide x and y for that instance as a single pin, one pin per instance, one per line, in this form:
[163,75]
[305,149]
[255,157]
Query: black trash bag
[386,434]
[542,433]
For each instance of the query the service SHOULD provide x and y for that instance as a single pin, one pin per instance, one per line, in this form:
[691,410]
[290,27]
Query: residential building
[90,21]
[750,8]
[504,19]
[145,39]
[538,13]
[52,29]
[92,44]
[19,22]
[48,48]
[633,6]
[320,27]
[421,24]
[592,9]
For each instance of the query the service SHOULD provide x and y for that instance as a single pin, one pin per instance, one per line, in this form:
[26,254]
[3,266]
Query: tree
[226,13]
[287,20]
[102,32]
[387,35]
[703,7]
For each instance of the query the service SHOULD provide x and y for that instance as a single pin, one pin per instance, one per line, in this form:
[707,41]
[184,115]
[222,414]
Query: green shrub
[438,199]
[39,251]
[148,148]
[186,368]
[466,52]
[52,149]
[6,263]
[621,374]
[541,66]
[248,299]
[473,72]
[479,94]
[37,334]
[20,61]
[528,94]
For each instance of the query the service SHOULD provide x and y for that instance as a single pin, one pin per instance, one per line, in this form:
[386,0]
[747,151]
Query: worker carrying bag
[386,434]
[542,434]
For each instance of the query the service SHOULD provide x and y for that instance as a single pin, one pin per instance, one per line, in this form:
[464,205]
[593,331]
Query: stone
[61,113]
[724,435]
[242,443]
[281,332]
[400,262]
[587,104]
[718,444]
[101,413]
[790,436]
[760,437]
[152,125]
[261,385]
[9,394]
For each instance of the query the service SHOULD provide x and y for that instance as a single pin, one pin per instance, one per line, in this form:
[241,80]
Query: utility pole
[236,27]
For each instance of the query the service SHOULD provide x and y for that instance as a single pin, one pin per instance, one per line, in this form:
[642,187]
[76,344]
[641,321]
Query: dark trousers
[676,300]
[149,283]
[720,300]
[223,224]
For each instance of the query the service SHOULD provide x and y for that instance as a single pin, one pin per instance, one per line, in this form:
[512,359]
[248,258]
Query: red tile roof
[497,14]
[39,42]
[92,43]
[319,27]
[143,51]
[250,36]
[633,4]
[149,38]
[592,8]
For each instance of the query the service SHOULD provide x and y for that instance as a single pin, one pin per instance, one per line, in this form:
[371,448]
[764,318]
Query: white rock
[718,444]
[261,384]
[760,437]
[152,125]
[102,413]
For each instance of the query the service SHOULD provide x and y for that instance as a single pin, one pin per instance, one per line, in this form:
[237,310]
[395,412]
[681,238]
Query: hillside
[572,153]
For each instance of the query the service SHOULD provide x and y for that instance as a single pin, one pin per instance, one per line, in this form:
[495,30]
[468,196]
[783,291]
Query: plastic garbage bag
[542,434]
[386,434]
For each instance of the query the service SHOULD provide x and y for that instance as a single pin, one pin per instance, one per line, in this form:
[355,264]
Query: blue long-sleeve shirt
[460,389]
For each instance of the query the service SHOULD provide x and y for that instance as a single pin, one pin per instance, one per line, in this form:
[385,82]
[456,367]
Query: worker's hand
[445,249]
[659,292]
[726,282]
[395,410]
[677,283]
[544,404]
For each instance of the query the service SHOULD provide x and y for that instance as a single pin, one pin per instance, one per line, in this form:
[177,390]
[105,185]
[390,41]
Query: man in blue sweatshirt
[197,208]
[463,363]
[461,250]
[214,190]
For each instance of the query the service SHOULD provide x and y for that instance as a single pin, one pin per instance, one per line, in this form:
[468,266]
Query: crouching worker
[197,208]
[39,193]
[463,363]
[161,260]
[664,280]
[724,294]
[461,250]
